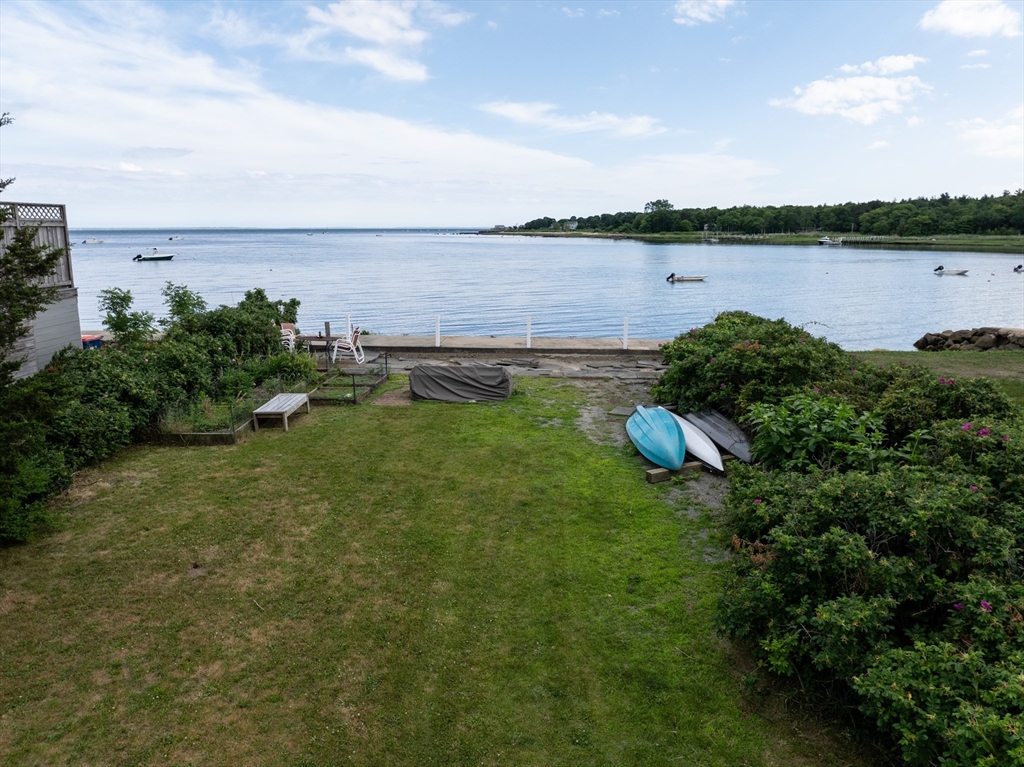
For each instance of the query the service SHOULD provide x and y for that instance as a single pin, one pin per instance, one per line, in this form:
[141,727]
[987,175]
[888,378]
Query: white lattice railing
[53,232]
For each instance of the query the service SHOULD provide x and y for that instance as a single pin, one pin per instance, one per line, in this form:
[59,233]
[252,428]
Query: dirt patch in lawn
[396,398]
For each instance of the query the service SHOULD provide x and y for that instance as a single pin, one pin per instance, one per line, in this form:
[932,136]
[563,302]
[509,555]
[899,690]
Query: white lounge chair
[343,346]
[288,339]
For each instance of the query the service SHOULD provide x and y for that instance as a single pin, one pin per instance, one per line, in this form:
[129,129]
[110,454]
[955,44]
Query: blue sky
[471,114]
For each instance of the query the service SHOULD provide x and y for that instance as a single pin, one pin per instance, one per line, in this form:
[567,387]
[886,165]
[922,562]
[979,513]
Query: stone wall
[977,339]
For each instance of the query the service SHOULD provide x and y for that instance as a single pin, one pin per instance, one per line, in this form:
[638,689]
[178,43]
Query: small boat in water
[176,238]
[826,240]
[92,241]
[658,436]
[154,255]
[683,278]
[943,270]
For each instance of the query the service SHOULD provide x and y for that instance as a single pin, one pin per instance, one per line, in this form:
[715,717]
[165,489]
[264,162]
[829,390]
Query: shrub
[235,382]
[916,398]
[860,583]
[290,367]
[807,432]
[741,359]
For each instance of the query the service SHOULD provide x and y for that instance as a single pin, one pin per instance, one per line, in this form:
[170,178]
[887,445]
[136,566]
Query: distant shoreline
[964,243]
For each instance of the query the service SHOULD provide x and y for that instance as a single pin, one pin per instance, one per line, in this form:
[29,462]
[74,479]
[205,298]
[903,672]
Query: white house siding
[57,326]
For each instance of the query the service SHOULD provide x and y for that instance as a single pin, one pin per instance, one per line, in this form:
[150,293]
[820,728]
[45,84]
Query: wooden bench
[281,406]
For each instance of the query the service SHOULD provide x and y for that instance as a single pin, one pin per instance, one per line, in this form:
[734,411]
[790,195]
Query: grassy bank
[380,586]
[1005,368]
[958,242]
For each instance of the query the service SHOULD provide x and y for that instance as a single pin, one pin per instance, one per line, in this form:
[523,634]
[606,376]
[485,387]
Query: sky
[420,113]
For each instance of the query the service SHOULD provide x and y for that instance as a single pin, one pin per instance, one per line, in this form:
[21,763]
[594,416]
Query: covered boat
[465,383]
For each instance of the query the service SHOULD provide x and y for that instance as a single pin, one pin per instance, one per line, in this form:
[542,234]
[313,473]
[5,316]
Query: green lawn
[435,584]
[1005,368]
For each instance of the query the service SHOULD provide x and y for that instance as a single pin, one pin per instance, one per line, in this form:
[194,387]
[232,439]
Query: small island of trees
[920,217]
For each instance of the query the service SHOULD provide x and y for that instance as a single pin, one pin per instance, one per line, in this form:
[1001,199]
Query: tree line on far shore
[990,214]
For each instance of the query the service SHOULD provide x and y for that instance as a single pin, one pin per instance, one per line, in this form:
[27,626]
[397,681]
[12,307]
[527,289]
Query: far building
[57,325]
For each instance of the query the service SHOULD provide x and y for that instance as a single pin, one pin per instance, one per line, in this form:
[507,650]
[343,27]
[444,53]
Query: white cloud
[388,63]
[999,139]
[395,29]
[257,157]
[886,65]
[602,13]
[879,145]
[864,99]
[492,24]
[975,66]
[913,122]
[979,52]
[156,152]
[543,115]
[574,13]
[973,18]
[690,13]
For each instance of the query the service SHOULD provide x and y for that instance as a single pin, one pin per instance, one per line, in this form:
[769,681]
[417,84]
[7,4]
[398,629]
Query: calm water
[396,282]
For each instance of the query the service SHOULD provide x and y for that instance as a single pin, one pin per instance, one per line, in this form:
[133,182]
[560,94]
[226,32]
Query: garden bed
[348,386]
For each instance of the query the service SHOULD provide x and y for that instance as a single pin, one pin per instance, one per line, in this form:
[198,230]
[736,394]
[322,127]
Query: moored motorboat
[684,278]
[943,270]
[826,240]
[658,436]
[154,255]
[92,241]
[175,238]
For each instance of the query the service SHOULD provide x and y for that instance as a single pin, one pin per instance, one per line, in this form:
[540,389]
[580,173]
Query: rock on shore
[976,339]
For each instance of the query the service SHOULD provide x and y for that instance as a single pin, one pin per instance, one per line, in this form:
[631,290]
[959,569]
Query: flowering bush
[741,359]
[875,583]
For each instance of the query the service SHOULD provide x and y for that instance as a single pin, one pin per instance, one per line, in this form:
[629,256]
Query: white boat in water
[176,237]
[683,278]
[826,240]
[92,241]
[943,270]
[154,255]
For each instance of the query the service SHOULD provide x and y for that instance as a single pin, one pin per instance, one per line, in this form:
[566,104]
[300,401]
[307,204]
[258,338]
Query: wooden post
[327,329]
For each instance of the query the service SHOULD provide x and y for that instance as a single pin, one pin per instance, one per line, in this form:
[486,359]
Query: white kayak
[699,445]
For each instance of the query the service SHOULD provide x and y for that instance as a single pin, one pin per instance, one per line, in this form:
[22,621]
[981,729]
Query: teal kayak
[658,436]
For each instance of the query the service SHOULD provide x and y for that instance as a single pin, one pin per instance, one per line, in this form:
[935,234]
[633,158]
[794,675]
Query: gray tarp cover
[477,383]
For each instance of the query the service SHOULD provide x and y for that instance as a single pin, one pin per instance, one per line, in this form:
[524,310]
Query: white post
[625,333]
[528,329]
[437,330]
[348,325]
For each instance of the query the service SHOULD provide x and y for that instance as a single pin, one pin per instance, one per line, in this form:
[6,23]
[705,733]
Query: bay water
[398,281]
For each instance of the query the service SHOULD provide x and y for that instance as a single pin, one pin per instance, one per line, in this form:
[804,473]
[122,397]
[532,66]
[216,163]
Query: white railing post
[625,333]
[529,340]
[348,325]
[437,330]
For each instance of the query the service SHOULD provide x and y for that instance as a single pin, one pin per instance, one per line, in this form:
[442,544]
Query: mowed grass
[435,584]
[1004,368]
